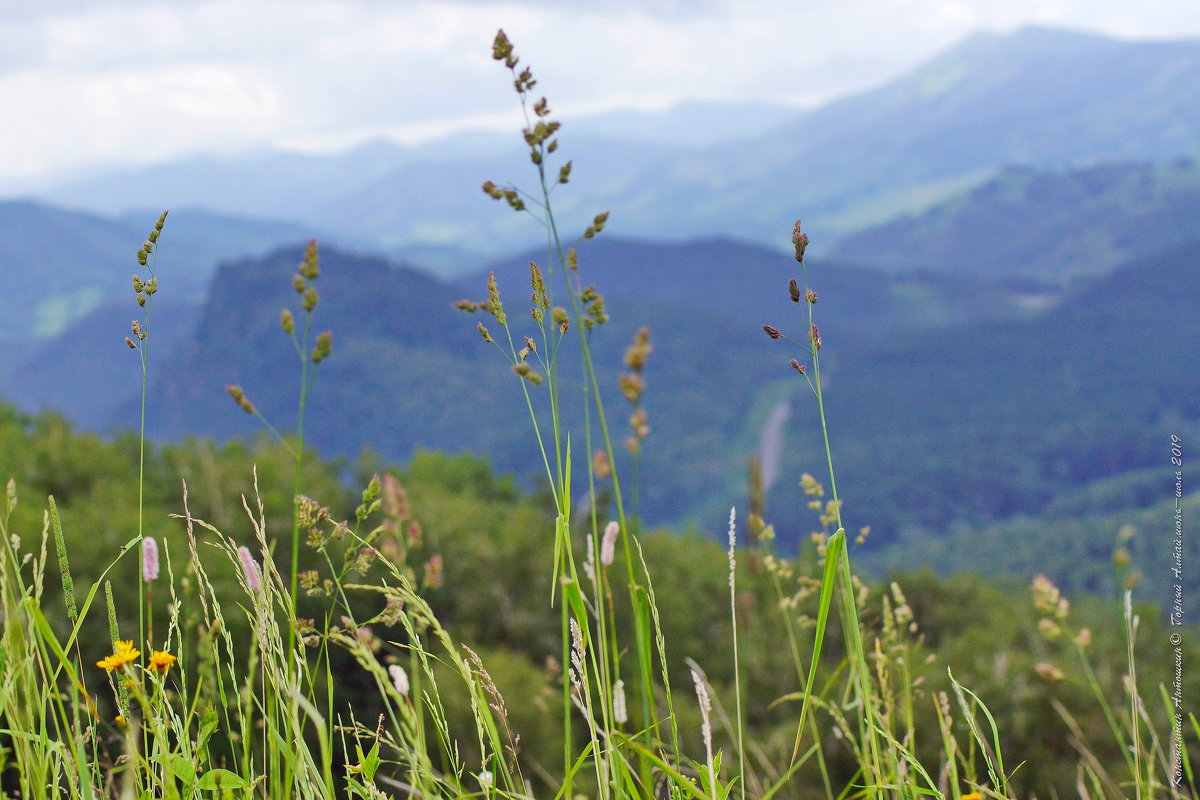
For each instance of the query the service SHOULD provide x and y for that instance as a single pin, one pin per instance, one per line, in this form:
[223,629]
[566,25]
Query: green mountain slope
[959,425]
[978,423]
[748,283]
[1077,553]
[58,265]
[1051,225]
[410,372]
[938,420]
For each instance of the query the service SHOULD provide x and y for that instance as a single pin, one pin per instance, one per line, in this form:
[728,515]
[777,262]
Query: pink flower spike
[608,545]
[399,678]
[149,559]
[251,569]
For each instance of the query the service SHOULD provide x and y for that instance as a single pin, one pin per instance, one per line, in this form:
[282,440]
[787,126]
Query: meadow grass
[239,696]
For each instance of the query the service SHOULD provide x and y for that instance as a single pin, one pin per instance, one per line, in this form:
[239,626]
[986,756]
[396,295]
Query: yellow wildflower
[123,653]
[161,661]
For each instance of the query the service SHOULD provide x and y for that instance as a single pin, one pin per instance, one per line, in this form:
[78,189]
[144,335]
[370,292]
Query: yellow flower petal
[161,661]
[123,653]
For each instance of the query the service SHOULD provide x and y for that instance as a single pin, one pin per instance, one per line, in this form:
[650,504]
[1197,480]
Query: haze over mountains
[1038,97]
[1004,244]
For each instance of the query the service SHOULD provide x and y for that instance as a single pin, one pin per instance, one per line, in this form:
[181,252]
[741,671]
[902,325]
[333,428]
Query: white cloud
[135,80]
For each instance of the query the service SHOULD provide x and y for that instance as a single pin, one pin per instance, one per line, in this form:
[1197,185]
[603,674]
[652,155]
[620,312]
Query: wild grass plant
[232,689]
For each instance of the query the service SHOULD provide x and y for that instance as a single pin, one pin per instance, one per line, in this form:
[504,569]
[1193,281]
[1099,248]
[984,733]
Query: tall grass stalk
[584,311]
[737,671]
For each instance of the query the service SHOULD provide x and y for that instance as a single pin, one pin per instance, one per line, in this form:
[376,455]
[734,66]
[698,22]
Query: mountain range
[412,373]
[1038,97]
[1004,251]
[952,402]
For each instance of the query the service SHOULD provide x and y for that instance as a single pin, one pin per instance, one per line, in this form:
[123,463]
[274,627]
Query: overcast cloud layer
[89,84]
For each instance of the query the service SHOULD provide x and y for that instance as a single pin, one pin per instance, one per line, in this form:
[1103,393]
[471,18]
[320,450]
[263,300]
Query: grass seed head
[597,225]
[309,266]
[435,574]
[1048,672]
[600,464]
[632,386]
[799,241]
[323,347]
[636,353]
[240,398]
[1045,594]
[528,373]
[494,304]
[537,282]
[502,49]
[638,422]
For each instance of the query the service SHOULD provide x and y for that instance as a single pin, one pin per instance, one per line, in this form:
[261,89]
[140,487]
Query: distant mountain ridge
[1037,97]
[300,186]
[58,264]
[1050,225]
[742,281]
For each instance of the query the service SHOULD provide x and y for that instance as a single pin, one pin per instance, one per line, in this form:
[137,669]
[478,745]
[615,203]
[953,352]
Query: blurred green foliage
[491,545]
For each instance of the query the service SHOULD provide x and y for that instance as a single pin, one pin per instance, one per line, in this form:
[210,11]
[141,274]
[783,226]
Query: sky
[91,84]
